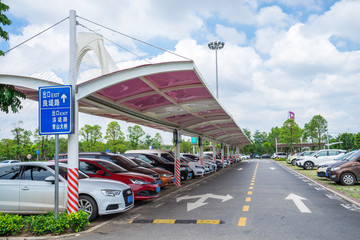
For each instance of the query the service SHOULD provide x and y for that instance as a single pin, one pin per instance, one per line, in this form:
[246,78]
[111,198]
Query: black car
[162,163]
[119,160]
[266,156]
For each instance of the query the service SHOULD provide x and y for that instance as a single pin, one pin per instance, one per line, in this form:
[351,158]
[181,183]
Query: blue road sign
[193,140]
[55,110]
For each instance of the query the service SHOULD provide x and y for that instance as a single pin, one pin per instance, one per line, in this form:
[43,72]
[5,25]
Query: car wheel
[308,165]
[293,162]
[348,179]
[88,205]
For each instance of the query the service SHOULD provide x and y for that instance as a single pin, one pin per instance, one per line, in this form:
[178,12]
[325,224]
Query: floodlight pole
[215,46]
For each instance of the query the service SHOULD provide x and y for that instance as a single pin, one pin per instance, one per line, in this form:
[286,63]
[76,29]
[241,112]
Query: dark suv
[119,160]
[162,163]
[346,171]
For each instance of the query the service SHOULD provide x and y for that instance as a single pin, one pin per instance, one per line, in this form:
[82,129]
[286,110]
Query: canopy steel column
[73,139]
[201,151]
[228,152]
[177,141]
[214,150]
[222,155]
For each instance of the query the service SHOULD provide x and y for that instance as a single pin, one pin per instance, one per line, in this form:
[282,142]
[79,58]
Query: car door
[37,195]
[9,188]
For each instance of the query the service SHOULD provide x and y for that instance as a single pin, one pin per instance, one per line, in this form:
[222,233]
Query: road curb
[336,192]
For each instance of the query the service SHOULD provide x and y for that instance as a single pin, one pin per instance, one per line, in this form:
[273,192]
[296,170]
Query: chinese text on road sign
[55,110]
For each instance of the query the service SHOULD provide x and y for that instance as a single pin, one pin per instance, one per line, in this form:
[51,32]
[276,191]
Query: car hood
[160,170]
[89,183]
[142,170]
[136,176]
[338,163]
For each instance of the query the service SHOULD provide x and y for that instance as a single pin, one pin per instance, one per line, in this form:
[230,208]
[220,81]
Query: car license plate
[158,189]
[130,199]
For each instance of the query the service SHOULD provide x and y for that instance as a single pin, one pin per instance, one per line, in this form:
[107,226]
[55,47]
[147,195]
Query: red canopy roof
[164,96]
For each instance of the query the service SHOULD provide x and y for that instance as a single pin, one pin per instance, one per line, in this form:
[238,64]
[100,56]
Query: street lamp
[215,46]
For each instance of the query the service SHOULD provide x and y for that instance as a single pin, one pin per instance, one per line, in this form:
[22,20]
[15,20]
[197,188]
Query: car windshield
[111,167]
[344,156]
[142,163]
[129,161]
[63,172]
[354,155]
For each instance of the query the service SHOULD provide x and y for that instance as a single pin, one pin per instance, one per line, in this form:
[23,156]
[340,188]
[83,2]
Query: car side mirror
[100,172]
[50,179]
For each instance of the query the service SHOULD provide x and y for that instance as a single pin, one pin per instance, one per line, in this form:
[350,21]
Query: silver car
[28,188]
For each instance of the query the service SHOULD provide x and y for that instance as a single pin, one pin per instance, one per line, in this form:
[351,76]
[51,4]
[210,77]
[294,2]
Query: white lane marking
[202,199]
[298,202]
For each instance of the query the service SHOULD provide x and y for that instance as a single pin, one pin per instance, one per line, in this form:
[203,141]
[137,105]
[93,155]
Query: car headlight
[165,175]
[335,169]
[138,181]
[111,193]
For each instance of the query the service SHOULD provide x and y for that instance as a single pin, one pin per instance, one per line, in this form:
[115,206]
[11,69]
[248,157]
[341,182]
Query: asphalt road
[254,199]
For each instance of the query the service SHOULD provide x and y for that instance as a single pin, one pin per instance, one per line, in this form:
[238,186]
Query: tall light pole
[215,46]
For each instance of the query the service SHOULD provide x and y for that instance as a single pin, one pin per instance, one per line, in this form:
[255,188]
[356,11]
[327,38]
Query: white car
[10,161]
[321,170]
[318,158]
[28,188]
[279,155]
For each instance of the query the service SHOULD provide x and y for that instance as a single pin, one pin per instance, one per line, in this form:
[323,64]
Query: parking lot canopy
[165,96]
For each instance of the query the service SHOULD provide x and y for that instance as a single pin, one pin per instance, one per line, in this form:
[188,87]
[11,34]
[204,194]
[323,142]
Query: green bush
[11,224]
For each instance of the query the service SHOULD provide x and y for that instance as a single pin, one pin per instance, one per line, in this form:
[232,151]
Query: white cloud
[230,34]
[286,65]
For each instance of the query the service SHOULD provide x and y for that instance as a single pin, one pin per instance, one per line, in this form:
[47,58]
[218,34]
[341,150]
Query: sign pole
[56,176]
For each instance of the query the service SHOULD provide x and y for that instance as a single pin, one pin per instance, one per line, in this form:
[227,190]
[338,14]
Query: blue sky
[279,56]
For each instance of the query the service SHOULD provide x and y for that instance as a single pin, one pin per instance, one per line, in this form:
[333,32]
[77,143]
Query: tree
[115,138]
[9,96]
[44,144]
[274,137]
[357,140]
[7,149]
[157,141]
[135,133]
[92,136]
[347,140]
[22,141]
[290,133]
[259,139]
[317,129]
[4,20]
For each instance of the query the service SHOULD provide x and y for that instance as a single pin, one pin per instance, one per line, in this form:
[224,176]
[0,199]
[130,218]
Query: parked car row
[318,158]
[333,164]
[108,183]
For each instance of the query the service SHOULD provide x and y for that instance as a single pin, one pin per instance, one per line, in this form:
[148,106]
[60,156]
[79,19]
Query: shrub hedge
[13,224]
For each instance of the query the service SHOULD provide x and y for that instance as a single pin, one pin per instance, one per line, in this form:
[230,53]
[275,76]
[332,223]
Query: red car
[143,186]
[166,177]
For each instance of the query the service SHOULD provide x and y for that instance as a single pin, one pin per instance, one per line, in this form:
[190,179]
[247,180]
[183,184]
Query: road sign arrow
[223,198]
[192,206]
[63,97]
[298,202]
[240,169]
